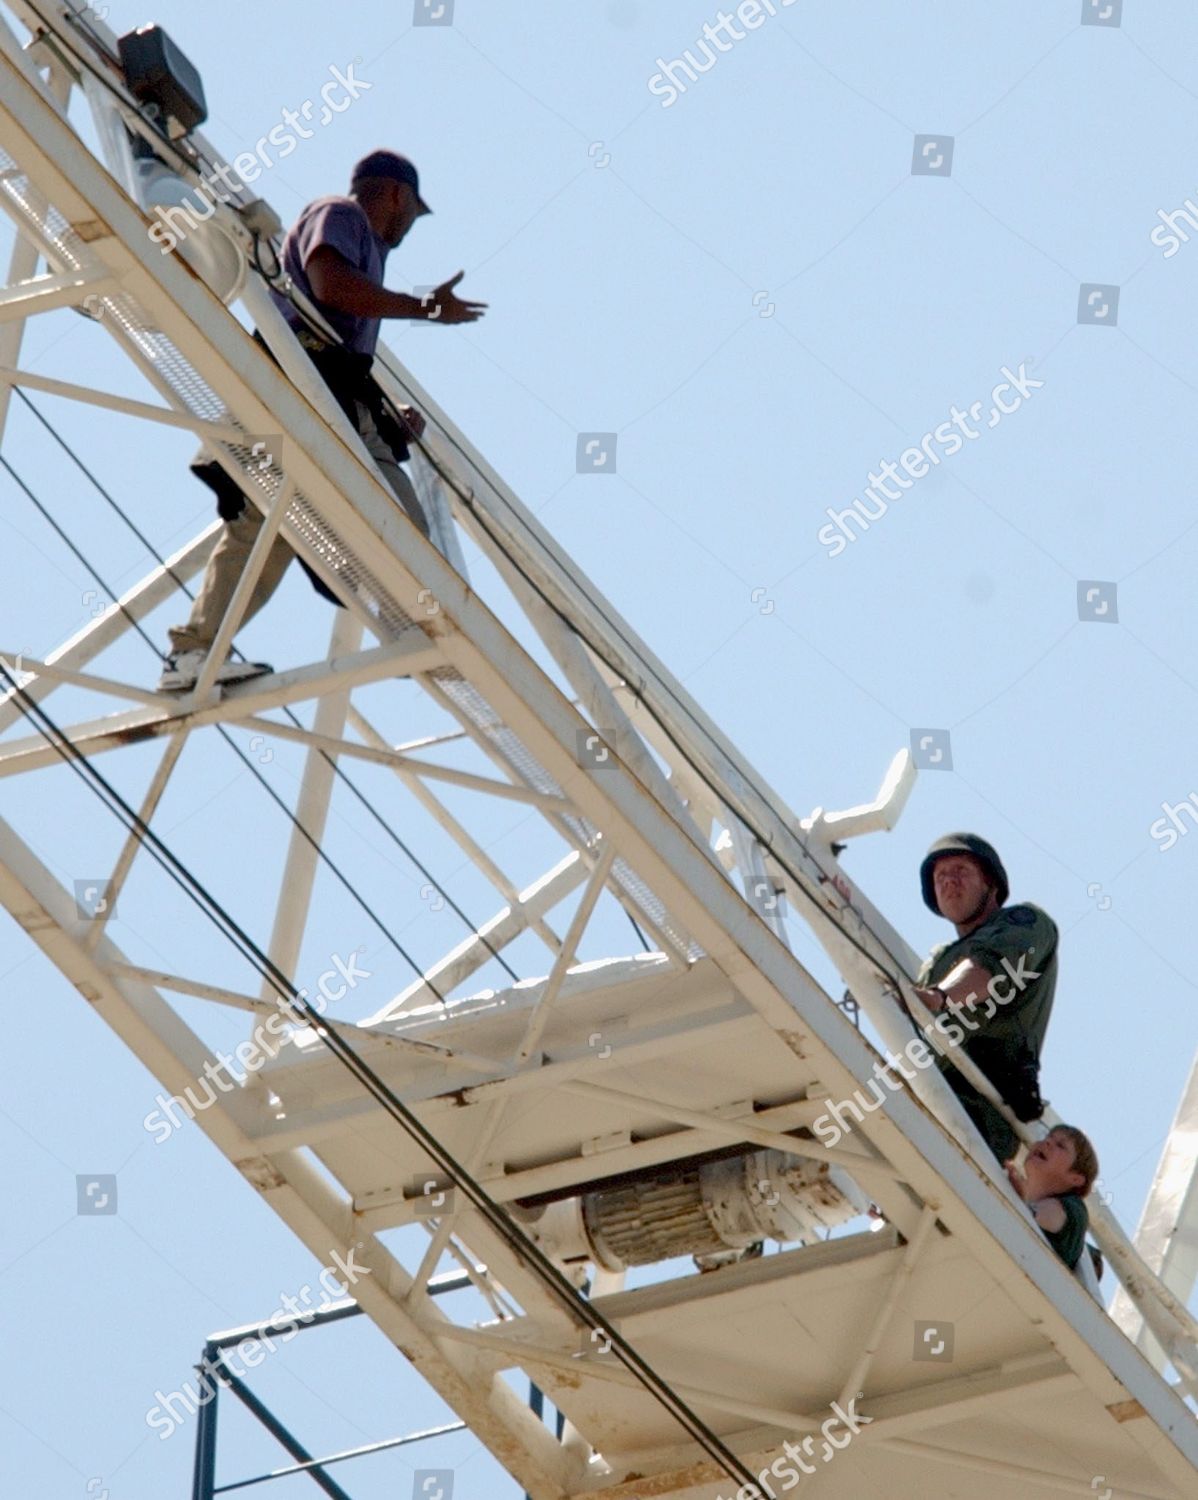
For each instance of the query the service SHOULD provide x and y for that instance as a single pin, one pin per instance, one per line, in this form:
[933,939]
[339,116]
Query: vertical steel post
[203,1482]
[536,1400]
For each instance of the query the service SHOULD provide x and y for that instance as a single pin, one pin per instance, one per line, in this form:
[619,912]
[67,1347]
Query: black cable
[275,280]
[341,774]
[328,860]
[78,18]
[540,1264]
[467,498]
[640,935]
[491,1212]
[270,277]
[296,1003]
[762,839]
[280,282]
[284,285]
[766,843]
[338,771]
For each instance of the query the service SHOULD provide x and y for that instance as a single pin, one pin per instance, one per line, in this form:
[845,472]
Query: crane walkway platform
[565,1131]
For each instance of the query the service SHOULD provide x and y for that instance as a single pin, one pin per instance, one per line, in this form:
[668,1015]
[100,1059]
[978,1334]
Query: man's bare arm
[966,984]
[339,286]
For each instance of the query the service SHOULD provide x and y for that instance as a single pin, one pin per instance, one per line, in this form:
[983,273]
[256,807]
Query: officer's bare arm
[966,984]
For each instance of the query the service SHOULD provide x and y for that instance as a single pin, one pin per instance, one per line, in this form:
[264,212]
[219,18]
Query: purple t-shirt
[341,224]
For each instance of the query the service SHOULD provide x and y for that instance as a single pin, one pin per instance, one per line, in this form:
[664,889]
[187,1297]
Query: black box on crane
[158,73]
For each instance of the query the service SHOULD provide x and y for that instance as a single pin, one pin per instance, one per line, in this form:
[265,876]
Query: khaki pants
[231,552]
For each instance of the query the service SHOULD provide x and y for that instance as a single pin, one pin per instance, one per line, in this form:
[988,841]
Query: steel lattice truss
[719,1038]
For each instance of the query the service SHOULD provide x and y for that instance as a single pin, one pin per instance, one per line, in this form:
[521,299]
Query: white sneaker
[182,670]
[242,671]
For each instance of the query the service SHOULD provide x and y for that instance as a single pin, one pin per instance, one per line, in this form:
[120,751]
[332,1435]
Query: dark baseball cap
[384,163]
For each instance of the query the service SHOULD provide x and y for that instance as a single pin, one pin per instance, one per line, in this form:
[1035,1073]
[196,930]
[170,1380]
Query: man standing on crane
[335,254]
[997,948]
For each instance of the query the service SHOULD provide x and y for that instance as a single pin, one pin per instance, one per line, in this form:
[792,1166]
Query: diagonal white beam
[511,1183]
[133,841]
[302,1197]
[868,1169]
[443,1230]
[178,984]
[474,952]
[561,964]
[683,1468]
[25,299]
[854,1381]
[208,431]
[112,623]
[461,835]
[1036,1479]
[518,693]
[546,801]
[525,1352]
[1167,1236]
[532,1034]
[668,943]
[95,736]
[311,813]
[50,674]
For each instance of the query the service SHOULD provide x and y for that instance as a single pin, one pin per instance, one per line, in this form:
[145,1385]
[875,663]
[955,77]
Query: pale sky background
[755,293]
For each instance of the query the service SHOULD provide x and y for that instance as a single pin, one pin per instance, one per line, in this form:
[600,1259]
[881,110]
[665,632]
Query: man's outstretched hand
[443,305]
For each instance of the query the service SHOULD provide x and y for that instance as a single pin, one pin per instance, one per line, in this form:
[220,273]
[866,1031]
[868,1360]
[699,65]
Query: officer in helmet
[991,987]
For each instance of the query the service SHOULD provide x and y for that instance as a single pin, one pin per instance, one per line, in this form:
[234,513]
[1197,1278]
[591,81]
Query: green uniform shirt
[1018,945]
[1069,1241]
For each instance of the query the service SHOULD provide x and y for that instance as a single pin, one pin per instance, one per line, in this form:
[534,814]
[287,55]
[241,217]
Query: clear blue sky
[755,292]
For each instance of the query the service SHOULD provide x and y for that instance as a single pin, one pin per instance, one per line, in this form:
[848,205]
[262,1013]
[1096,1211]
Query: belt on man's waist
[313,341]
[347,374]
